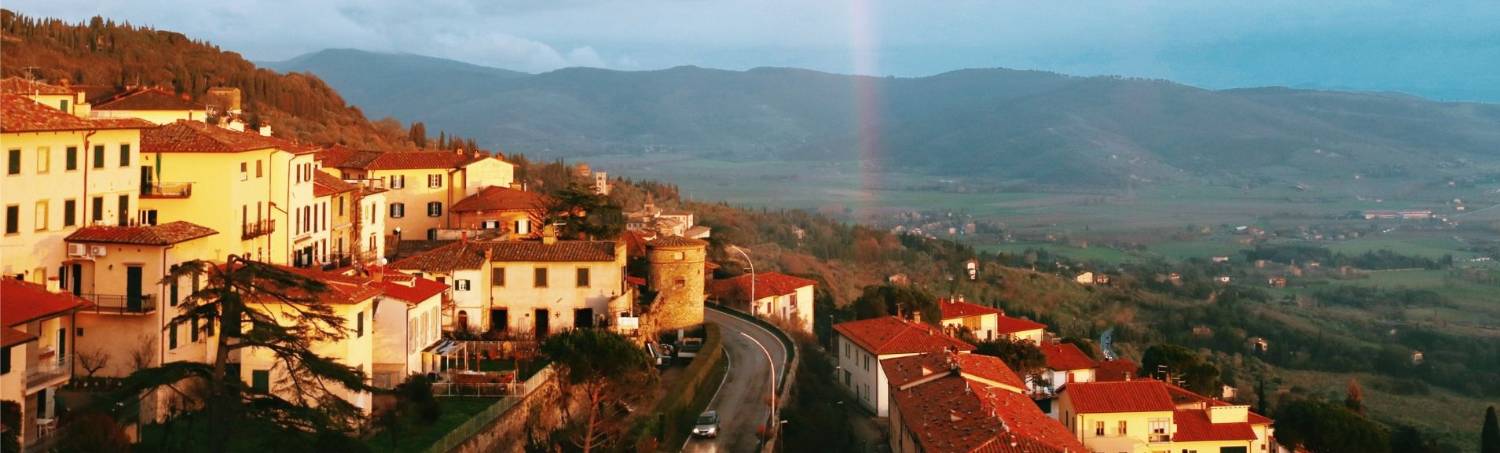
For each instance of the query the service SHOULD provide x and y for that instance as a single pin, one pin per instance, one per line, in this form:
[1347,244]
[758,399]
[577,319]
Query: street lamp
[752,278]
[770,373]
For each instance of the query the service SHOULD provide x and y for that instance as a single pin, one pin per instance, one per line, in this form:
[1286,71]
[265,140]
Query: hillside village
[431,255]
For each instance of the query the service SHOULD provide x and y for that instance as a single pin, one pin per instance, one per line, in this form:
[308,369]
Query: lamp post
[771,374]
[752,278]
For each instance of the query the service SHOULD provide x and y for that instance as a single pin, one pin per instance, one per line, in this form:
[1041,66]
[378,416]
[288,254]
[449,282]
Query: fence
[483,419]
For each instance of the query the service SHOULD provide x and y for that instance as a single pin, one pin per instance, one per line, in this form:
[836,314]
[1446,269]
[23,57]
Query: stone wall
[677,276]
[538,414]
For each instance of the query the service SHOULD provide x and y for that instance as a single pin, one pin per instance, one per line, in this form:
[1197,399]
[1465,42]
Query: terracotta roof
[892,335]
[1185,398]
[21,114]
[496,198]
[409,289]
[470,254]
[904,370]
[767,284]
[1066,356]
[340,156]
[635,243]
[1194,425]
[24,87]
[10,336]
[1144,395]
[339,289]
[95,94]
[953,414]
[953,309]
[415,160]
[676,241]
[325,184]
[164,234]
[147,99]
[186,136]
[1006,324]
[1115,370]
[25,302]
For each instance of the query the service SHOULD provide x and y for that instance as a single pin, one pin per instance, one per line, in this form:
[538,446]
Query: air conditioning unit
[99,250]
[78,250]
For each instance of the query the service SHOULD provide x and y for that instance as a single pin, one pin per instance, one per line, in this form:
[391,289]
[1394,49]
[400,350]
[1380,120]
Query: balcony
[257,229]
[1157,438]
[47,371]
[167,190]
[119,304]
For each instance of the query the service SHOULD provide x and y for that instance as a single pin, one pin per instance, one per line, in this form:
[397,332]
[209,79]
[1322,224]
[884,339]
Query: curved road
[742,399]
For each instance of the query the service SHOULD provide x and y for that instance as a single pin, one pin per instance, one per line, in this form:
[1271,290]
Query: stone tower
[677,277]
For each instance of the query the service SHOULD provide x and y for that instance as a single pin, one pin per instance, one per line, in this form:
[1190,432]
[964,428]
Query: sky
[1445,50]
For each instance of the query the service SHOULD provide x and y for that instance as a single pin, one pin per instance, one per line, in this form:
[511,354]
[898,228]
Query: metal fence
[483,419]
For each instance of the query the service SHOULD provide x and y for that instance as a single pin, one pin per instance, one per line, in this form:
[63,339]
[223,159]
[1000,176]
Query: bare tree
[93,360]
[144,353]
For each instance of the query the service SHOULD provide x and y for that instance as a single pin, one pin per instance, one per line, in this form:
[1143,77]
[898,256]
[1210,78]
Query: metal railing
[167,190]
[1160,438]
[258,228]
[484,418]
[47,370]
[121,304]
[489,389]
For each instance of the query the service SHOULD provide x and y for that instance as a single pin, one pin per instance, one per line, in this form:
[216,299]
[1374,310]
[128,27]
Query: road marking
[773,335]
[728,365]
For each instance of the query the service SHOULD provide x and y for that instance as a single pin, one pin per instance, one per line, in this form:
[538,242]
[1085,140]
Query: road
[742,400]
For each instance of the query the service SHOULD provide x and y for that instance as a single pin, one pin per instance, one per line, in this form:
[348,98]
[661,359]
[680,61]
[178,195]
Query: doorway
[543,321]
[499,320]
[133,289]
[583,318]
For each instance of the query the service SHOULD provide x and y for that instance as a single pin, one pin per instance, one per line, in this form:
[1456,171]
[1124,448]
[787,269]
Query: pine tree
[1489,436]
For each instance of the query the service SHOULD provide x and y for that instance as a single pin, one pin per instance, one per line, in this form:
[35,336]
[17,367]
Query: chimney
[489,254]
[53,285]
[916,316]
[549,234]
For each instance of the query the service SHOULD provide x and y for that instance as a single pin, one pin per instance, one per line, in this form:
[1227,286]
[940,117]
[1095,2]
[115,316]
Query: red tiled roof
[470,254]
[339,289]
[676,241]
[953,414]
[496,198]
[25,302]
[1115,370]
[21,114]
[1183,397]
[164,234]
[147,99]
[1007,325]
[904,370]
[412,290]
[11,337]
[767,284]
[1194,425]
[325,184]
[416,159]
[1066,356]
[635,243]
[892,335]
[445,259]
[24,87]
[953,309]
[186,136]
[340,156]
[1144,395]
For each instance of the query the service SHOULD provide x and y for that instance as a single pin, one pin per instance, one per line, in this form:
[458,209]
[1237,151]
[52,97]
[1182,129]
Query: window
[1121,429]
[461,284]
[583,277]
[98,215]
[13,162]
[341,206]
[497,276]
[194,333]
[71,156]
[434,181]
[124,154]
[244,171]
[12,219]
[398,181]
[398,210]
[359,325]
[5,360]
[98,156]
[1099,428]
[259,168]
[172,337]
[41,215]
[123,219]
[260,381]
[43,160]
[539,280]
[63,105]
[70,213]
[435,209]
[523,226]
[172,290]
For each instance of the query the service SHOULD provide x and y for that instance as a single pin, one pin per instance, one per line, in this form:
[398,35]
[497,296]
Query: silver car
[707,425]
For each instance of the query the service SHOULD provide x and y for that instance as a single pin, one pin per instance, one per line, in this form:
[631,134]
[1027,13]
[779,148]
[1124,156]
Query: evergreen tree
[418,134]
[608,367]
[1489,437]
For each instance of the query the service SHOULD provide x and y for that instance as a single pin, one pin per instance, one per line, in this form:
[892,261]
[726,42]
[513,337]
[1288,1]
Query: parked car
[708,425]
[688,348]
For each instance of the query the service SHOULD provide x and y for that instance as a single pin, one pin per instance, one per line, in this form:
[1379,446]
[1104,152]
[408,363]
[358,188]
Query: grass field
[1451,417]
[411,437]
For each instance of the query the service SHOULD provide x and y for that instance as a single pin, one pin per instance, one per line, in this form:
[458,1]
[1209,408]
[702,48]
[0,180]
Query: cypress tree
[1489,437]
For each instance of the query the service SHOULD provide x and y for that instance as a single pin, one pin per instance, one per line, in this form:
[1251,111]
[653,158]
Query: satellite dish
[383,261]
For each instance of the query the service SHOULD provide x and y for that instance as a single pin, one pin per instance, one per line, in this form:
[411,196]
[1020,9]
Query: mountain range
[1044,128]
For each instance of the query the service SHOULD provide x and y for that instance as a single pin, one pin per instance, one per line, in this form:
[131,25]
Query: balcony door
[75,272]
[133,289]
[146,180]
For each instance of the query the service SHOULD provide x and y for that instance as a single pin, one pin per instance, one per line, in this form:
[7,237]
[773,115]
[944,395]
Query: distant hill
[102,52]
[1045,128]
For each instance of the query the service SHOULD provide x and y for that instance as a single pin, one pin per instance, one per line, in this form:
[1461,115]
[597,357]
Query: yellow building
[1149,416]
[151,104]
[423,185]
[36,353]
[256,191]
[61,172]
[341,201]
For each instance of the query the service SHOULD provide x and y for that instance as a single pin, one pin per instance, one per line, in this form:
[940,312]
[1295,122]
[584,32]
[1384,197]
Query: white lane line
[728,365]
[776,339]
